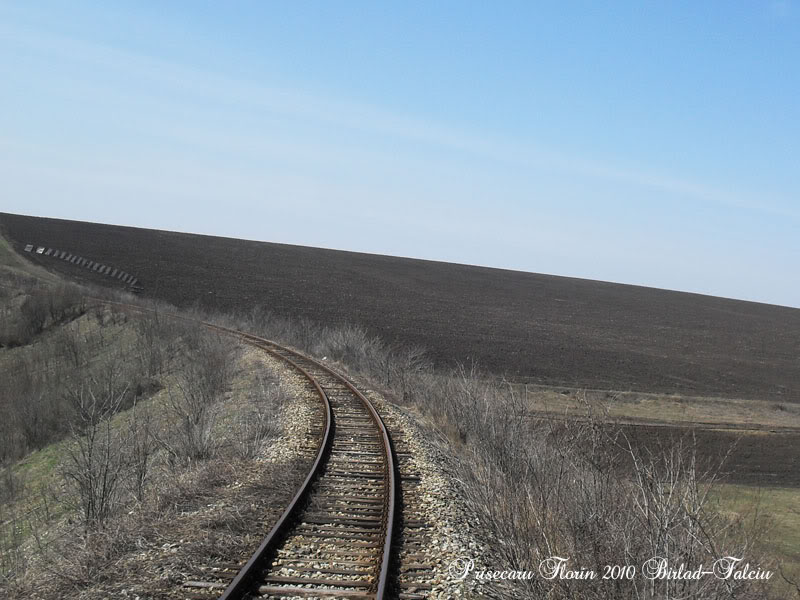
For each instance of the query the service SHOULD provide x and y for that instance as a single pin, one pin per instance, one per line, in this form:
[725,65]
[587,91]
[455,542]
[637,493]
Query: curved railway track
[353,528]
[334,540]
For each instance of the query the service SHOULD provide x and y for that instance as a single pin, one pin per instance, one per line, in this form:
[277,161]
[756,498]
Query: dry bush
[77,385]
[64,302]
[94,466]
[12,281]
[37,400]
[22,321]
[580,490]
[69,346]
[157,337]
[140,445]
[348,344]
[35,415]
[12,330]
[364,354]
[204,377]
[72,562]
[41,308]
[34,312]
[10,484]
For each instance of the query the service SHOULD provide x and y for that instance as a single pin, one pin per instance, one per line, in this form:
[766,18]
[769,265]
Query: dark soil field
[753,458]
[536,328]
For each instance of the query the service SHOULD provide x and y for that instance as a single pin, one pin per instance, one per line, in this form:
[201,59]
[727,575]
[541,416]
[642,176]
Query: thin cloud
[240,94]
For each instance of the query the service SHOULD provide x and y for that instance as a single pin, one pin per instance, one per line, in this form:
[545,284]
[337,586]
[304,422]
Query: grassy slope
[782,505]
[42,501]
[13,264]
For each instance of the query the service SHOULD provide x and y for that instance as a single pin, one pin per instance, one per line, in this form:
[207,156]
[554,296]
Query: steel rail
[390,467]
[237,587]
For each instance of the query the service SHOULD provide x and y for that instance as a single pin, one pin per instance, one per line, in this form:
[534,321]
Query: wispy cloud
[237,94]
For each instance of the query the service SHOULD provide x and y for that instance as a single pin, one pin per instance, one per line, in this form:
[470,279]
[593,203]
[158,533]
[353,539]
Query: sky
[652,143]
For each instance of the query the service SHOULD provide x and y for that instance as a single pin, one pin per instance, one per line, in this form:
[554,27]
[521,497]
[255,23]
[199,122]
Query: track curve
[335,542]
[335,538]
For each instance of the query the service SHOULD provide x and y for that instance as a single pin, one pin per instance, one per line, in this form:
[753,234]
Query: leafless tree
[69,345]
[139,449]
[34,311]
[94,465]
[150,343]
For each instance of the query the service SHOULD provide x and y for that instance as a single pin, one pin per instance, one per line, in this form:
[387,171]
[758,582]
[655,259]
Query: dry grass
[638,407]
[14,268]
[781,542]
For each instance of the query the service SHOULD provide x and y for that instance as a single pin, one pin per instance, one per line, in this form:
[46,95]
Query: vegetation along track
[335,538]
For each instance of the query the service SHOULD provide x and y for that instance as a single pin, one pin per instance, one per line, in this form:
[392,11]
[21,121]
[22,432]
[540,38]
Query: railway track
[354,528]
[334,540]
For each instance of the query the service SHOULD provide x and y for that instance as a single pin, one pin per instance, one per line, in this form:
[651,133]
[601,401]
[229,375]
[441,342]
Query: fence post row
[106,270]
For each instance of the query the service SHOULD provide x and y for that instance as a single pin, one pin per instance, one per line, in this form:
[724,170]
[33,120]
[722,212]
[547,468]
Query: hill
[530,327]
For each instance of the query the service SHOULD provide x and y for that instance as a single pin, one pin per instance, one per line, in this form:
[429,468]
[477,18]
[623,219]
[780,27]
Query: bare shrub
[81,561]
[68,344]
[352,345]
[11,558]
[64,302]
[36,415]
[34,312]
[580,489]
[155,335]
[201,382]
[12,330]
[94,466]
[307,333]
[256,426]
[41,387]
[10,484]
[41,307]
[139,448]
[403,366]
[396,367]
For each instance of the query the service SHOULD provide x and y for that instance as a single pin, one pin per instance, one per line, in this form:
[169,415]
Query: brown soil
[536,328]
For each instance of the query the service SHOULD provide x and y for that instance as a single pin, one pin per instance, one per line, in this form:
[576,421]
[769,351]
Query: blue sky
[647,143]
